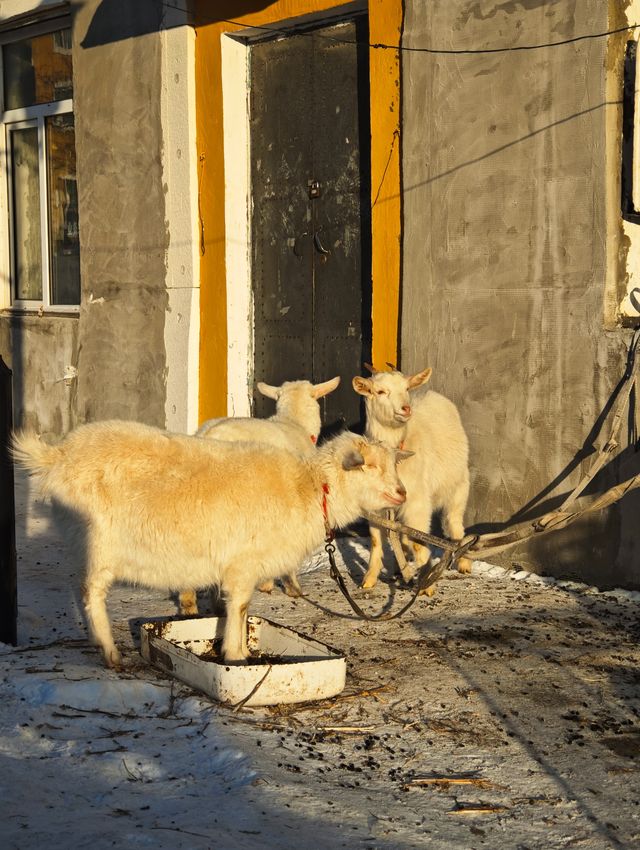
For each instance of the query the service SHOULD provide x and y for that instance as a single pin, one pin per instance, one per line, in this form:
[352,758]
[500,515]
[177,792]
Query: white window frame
[13,119]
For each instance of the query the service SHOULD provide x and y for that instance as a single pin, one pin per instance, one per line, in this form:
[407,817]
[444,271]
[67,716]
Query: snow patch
[108,695]
[485,570]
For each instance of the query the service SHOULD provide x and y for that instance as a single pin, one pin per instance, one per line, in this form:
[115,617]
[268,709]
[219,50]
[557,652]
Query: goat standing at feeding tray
[403,413]
[295,426]
[169,511]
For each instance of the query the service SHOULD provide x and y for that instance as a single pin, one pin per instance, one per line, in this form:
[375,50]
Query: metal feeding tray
[286,666]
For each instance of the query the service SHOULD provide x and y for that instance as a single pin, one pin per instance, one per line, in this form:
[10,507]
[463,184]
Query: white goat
[162,509]
[437,476]
[295,426]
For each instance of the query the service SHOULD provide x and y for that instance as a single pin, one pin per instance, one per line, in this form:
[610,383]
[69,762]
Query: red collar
[327,527]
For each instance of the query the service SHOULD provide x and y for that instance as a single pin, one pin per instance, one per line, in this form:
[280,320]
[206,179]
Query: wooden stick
[477,810]
[239,705]
[329,702]
[452,780]
[355,730]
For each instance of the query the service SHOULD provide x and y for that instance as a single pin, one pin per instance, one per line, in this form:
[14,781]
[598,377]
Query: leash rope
[492,543]
[425,579]
[427,576]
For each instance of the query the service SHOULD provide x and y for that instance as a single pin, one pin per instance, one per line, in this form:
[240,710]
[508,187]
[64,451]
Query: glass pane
[37,70]
[27,255]
[64,240]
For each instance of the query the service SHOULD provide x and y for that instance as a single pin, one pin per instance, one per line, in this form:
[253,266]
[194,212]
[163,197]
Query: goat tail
[28,450]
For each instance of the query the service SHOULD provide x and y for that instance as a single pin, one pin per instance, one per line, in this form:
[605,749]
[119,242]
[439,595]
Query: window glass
[37,70]
[27,256]
[64,241]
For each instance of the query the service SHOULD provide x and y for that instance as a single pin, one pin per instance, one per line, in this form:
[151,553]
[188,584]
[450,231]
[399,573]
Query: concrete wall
[117,88]
[180,180]
[39,350]
[511,246]
[135,342]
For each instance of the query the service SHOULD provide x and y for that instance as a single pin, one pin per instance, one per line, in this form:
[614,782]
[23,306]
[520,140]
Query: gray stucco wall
[38,350]
[117,74]
[505,259]
[117,342]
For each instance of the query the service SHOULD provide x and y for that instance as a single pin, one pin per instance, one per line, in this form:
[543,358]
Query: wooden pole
[8,571]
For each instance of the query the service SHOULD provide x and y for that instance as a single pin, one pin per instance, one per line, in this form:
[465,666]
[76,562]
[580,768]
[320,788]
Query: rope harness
[486,545]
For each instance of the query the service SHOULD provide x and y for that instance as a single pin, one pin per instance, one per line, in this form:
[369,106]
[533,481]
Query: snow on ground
[513,700]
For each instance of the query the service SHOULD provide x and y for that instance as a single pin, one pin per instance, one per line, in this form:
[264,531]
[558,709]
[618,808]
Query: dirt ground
[501,713]
[517,702]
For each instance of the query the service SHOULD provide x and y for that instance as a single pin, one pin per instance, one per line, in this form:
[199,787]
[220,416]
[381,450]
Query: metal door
[311,212]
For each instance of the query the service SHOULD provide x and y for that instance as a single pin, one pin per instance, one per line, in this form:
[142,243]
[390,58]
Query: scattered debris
[445,781]
[477,810]
[504,712]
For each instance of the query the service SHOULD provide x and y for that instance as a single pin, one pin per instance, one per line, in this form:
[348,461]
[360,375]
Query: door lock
[314,189]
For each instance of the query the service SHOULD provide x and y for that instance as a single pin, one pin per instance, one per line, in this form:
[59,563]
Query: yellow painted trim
[212,396]
[385,27]
[385,23]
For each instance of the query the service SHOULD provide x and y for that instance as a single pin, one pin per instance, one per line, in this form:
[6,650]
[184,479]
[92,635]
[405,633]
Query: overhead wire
[399,48]
[445,51]
[437,50]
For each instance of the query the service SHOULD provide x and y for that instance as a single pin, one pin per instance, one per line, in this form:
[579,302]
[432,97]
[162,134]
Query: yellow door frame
[385,28]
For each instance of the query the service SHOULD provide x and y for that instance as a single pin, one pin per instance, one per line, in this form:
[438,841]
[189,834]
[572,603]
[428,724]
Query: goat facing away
[164,510]
[403,413]
[295,426]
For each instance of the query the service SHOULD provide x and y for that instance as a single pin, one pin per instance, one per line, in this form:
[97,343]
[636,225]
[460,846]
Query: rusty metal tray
[290,667]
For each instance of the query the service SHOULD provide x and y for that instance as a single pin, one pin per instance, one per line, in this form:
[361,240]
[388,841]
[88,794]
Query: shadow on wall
[590,549]
[8,587]
[596,438]
[149,16]
[19,368]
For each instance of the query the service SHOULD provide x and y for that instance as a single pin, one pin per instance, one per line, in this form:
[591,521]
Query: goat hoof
[465,565]
[266,587]
[187,602]
[113,659]
[429,591]
[368,583]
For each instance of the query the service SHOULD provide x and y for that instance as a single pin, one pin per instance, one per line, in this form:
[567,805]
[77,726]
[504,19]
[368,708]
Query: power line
[430,50]
[435,50]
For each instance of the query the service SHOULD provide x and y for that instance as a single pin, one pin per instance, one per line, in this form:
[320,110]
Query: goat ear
[362,385]
[352,460]
[401,455]
[269,392]
[419,378]
[320,390]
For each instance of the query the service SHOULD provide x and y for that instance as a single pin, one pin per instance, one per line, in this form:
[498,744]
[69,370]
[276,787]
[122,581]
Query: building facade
[195,196]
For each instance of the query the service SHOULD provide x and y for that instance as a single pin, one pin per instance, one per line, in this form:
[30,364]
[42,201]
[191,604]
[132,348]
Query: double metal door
[311,212]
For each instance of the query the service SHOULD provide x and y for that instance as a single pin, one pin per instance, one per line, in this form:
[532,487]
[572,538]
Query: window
[37,138]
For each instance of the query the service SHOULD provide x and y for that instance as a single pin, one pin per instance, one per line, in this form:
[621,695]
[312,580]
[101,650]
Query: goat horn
[392,367]
[369,368]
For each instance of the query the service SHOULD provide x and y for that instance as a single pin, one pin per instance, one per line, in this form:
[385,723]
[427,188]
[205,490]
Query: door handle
[319,246]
